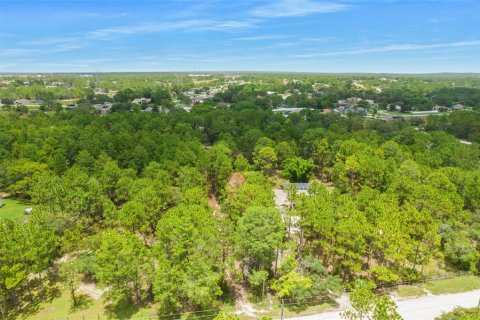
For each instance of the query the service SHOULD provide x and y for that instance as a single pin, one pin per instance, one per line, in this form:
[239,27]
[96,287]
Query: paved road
[424,308]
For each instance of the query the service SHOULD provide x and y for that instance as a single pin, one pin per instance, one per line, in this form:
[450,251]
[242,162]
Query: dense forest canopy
[177,208]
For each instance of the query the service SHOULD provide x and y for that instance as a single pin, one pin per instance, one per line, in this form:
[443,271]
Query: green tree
[187,252]
[123,264]
[218,166]
[293,285]
[284,152]
[259,233]
[20,174]
[70,278]
[321,154]
[385,309]
[362,299]
[241,163]
[13,267]
[265,159]
[298,169]
[133,216]
[461,314]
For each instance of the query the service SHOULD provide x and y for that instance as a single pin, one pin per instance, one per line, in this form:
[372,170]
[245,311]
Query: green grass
[291,308]
[409,291]
[295,310]
[13,209]
[60,307]
[453,285]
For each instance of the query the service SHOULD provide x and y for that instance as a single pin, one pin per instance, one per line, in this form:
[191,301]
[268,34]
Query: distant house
[201,98]
[300,186]
[439,108]
[343,103]
[103,108]
[141,100]
[160,110]
[20,102]
[286,111]
[458,106]
[360,111]
[353,100]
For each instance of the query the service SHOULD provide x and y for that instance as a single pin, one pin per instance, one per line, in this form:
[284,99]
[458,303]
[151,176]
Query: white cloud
[321,39]
[50,41]
[393,48]
[188,25]
[261,38]
[48,64]
[17,52]
[295,8]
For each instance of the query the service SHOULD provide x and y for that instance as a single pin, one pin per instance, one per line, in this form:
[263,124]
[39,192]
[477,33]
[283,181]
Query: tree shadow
[121,310]
[302,306]
[208,314]
[36,291]
[84,301]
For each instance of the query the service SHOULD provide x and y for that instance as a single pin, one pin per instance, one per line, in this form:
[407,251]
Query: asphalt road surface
[423,308]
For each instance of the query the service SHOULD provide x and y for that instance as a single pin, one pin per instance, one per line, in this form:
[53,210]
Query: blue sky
[401,36]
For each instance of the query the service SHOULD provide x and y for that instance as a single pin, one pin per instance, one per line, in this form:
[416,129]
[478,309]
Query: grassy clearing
[436,268]
[13,209]
[60,307]
[296,310]
[409,291]
[292,309]
[453,285]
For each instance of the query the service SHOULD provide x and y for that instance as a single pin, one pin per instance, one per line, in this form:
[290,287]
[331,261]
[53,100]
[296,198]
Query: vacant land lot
[446,286]
[12,209]
[453,285]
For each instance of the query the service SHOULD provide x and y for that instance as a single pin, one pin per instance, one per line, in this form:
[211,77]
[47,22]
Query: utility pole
[281,312]
[276,263]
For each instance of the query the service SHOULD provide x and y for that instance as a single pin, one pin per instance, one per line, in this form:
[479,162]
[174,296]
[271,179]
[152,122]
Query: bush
[461,314]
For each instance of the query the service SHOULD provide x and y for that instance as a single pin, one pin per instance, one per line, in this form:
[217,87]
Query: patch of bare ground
[91,290]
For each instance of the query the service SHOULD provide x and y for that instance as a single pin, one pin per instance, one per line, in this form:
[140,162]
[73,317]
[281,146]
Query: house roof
[301,186]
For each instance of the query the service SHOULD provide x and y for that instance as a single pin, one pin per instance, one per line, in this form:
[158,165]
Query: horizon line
[473,73]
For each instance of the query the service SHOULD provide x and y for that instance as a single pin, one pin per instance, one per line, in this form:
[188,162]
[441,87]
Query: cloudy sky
[403,36]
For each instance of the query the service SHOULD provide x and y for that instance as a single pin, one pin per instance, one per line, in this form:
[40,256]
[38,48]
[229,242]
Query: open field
[453,285]
[409,291]
[294,310]
[13,209]
[445,286]
[60,307]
